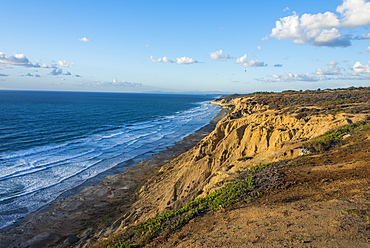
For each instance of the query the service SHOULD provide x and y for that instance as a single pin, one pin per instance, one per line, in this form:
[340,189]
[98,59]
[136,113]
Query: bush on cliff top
[325,142]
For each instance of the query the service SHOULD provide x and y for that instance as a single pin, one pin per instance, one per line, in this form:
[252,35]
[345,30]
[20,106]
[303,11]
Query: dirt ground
[323,201]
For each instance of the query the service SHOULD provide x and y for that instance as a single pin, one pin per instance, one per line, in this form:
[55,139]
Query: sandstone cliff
[258,129]
[253,133]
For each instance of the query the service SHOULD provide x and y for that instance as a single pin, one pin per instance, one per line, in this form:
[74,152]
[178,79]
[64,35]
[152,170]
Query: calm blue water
[52,142]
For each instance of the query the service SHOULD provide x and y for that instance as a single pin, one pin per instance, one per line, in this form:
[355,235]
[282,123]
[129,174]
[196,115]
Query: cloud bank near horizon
[359,71]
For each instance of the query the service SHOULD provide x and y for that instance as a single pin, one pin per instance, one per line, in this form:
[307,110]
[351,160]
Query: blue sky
[184,46]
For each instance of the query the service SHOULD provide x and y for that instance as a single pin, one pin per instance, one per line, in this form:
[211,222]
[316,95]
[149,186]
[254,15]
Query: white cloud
[288,28]
[56,72]
[243,60]
[160,60]
[31,75]
[84,39]
[323,29]
[291,77]
[319,21]
[182,60]
[16,59]
[185,60]
[368,49]
[219,55]
[333,69]
[327,35]
[113,83]
[359,68]
[259,47]
[291,28]
[366,36]
[334,72]
[355,13]
[64,63]
[19,59]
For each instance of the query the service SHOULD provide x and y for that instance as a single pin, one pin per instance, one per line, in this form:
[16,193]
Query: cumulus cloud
[259,47]
[160,60]
[56,72]
[368,49]
[31,75]
[219,55]
[251,63]
[64,63]
[319,21]
[291,77]
[185,60]
[182,60]
[324,29]
[359,68]
[355,13]
[19,59]
[84,39]
[333,72]
[333,69]
[3,75]
[362,37]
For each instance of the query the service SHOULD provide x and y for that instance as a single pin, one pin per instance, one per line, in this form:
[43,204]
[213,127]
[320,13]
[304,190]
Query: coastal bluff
[258,129]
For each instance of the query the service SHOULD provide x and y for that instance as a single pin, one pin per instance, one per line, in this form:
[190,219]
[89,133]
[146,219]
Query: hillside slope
[322,200]
[263,129]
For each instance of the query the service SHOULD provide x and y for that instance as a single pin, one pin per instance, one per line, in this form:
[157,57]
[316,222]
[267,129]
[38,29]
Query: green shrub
[226,196]
[333,137]
[338,102]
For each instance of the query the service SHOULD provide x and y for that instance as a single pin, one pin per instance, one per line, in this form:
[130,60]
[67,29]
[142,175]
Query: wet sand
[95,207]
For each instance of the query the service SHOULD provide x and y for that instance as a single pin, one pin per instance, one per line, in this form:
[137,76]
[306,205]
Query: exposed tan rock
[251,134]
[257,130]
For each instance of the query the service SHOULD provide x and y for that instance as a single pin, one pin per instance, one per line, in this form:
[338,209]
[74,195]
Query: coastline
[94,206]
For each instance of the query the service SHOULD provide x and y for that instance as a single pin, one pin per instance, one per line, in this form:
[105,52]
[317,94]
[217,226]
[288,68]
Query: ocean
[53,142]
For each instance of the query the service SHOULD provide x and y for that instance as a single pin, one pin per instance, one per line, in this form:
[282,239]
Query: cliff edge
[279,170]
[259,129]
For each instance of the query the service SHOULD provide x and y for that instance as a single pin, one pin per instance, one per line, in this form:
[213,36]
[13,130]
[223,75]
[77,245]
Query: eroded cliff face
[252,133]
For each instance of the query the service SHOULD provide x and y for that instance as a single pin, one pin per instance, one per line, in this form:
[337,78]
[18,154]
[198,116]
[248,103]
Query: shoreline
[83,211]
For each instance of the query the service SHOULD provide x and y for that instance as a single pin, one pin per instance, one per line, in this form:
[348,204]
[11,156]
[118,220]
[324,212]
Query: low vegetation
[247,187]
[239,190]
[335,136]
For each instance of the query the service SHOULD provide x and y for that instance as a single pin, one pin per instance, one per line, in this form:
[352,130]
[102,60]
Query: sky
[193,46]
